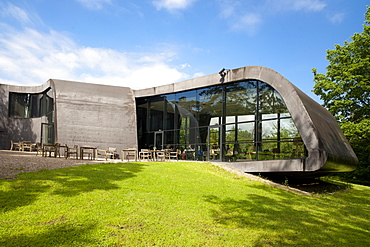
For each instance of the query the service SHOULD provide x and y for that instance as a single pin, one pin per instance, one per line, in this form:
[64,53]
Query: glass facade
[239,121]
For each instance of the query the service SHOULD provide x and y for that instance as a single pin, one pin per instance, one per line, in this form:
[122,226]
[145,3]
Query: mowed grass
[173,204]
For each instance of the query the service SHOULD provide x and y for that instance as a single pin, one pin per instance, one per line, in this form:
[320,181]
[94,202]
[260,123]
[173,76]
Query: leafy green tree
[345,91]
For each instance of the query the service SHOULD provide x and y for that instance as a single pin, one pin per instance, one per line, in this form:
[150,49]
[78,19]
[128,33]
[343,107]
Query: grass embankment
[173,204]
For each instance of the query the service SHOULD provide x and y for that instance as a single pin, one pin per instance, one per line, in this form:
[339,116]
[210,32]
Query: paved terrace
[14,162]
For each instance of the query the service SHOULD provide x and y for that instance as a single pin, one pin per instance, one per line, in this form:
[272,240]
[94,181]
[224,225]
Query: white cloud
[185,65]
[94,4]
[12,11]
[248,15]
[336,18]
[248,22]
[29,57]
[308,5]
[295,5]
[172,4]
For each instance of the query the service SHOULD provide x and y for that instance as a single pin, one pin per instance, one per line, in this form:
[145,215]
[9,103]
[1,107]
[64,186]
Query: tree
[345,91]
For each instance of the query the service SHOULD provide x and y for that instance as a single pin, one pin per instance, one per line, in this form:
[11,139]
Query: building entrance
[158,140]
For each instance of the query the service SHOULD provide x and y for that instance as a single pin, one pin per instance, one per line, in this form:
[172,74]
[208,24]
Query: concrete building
[252,118]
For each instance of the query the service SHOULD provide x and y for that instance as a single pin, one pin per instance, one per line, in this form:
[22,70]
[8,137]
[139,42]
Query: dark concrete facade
[102,116]
[84,114]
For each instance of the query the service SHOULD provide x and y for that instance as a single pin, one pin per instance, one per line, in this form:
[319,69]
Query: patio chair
[71,150]
[26,146]
[15,145]
[145,154]
[161,155]
[57,150]
[39,148]
[174,154]
[110,153]
[101,152]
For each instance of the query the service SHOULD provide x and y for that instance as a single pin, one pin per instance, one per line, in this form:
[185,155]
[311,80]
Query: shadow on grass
[72,181]
[55,235]
[292,220]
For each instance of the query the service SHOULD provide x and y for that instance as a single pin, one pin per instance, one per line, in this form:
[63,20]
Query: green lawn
[173,204]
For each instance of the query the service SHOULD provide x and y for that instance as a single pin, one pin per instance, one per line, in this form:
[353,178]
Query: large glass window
[239,121]
[170,112]
[142,121]
[25,105]
[241,98]
[209,105]
[156,108]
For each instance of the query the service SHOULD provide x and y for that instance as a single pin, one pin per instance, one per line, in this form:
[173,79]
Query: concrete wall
[84,114]
[94,115]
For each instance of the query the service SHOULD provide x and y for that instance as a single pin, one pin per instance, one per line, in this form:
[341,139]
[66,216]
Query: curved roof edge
[327,147]
[29,89]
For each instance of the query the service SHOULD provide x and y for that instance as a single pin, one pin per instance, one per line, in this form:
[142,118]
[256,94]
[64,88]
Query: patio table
[82,148]
[47,147]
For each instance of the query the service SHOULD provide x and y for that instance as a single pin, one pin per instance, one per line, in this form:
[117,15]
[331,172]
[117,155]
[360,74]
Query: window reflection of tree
[270,101]
[209,106]
[241,98]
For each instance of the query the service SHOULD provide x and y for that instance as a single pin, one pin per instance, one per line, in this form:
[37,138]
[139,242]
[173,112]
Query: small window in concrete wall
[25,105]
[22,105]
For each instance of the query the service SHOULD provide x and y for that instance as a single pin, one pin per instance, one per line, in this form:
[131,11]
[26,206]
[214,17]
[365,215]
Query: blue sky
[144,43]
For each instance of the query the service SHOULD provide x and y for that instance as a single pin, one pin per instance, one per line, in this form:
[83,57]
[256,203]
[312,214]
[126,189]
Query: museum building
[251,118]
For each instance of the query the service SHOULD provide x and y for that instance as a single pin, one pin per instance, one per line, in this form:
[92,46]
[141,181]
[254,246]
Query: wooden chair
[145,154]
[174,154]
[110,153]
[39,148]
[69,151]
[161,154]
[26,146]
[101,152]
[127,154]
[57,150]
[15,145]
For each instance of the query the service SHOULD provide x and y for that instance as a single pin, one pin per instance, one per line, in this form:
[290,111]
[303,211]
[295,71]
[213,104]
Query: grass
[173,204]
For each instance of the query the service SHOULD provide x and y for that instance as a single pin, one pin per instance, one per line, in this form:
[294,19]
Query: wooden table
[47,147]
[82,148]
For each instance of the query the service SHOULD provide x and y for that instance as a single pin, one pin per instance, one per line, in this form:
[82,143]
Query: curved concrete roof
[328,149]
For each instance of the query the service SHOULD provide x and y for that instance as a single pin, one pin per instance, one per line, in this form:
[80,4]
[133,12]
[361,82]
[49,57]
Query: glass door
[214,143]
[158,140]
[47,133]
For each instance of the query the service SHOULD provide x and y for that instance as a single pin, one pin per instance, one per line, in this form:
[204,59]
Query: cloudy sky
[144,43]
